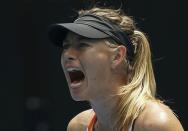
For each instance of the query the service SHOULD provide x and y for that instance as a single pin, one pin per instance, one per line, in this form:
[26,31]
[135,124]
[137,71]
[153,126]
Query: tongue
[76,76]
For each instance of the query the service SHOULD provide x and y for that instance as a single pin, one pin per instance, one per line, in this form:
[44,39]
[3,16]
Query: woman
[107,61]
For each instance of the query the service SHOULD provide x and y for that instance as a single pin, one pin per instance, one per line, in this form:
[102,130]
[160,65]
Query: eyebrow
[79,38]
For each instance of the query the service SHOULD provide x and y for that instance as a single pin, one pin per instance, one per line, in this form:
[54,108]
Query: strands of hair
[141,87]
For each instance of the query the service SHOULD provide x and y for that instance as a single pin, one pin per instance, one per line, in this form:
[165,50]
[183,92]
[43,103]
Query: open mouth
[76,75]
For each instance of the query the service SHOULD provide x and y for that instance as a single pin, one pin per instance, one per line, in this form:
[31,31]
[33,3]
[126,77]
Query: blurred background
[33,91]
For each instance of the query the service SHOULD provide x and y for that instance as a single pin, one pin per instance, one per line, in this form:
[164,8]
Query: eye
[82,45]
[79,46]
[66,46]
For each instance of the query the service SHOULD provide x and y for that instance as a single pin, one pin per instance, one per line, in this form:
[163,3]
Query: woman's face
[86,64]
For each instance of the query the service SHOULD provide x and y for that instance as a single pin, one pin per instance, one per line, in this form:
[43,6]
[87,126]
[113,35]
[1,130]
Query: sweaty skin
[155,117]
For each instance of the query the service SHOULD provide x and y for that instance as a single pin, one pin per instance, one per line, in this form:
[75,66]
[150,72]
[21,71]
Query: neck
[104,110]
[105,104]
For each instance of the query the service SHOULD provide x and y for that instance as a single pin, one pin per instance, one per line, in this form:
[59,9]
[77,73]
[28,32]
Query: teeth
[72,69]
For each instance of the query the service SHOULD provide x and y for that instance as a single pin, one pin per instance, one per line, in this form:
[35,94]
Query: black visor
[90,26]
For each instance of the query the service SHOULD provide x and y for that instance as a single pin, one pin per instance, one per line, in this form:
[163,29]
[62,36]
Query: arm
[74,125]
[163,121]
[80,121]
[157,117]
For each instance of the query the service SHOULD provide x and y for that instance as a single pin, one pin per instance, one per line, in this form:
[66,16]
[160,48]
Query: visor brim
[57,32]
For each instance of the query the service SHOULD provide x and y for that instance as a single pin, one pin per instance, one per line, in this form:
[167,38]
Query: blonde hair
[141,86]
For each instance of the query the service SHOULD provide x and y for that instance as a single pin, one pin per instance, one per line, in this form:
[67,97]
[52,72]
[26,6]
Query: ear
[119,56]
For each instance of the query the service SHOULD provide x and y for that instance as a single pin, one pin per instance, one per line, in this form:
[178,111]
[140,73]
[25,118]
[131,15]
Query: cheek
[62,61]
[97,67]
[63,67]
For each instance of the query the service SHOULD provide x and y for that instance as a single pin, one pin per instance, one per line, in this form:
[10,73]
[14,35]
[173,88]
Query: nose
[69,54]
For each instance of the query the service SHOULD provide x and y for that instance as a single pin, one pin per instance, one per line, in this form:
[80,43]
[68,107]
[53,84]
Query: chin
[78,97]
[75,98]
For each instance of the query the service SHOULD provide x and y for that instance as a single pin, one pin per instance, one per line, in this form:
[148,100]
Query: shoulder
[80,121]
[157,117]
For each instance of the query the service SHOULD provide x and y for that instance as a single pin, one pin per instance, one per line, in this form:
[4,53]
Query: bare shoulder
[80,121]
[157,117]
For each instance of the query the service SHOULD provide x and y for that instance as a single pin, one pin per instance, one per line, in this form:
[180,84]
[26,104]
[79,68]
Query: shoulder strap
[92,123]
